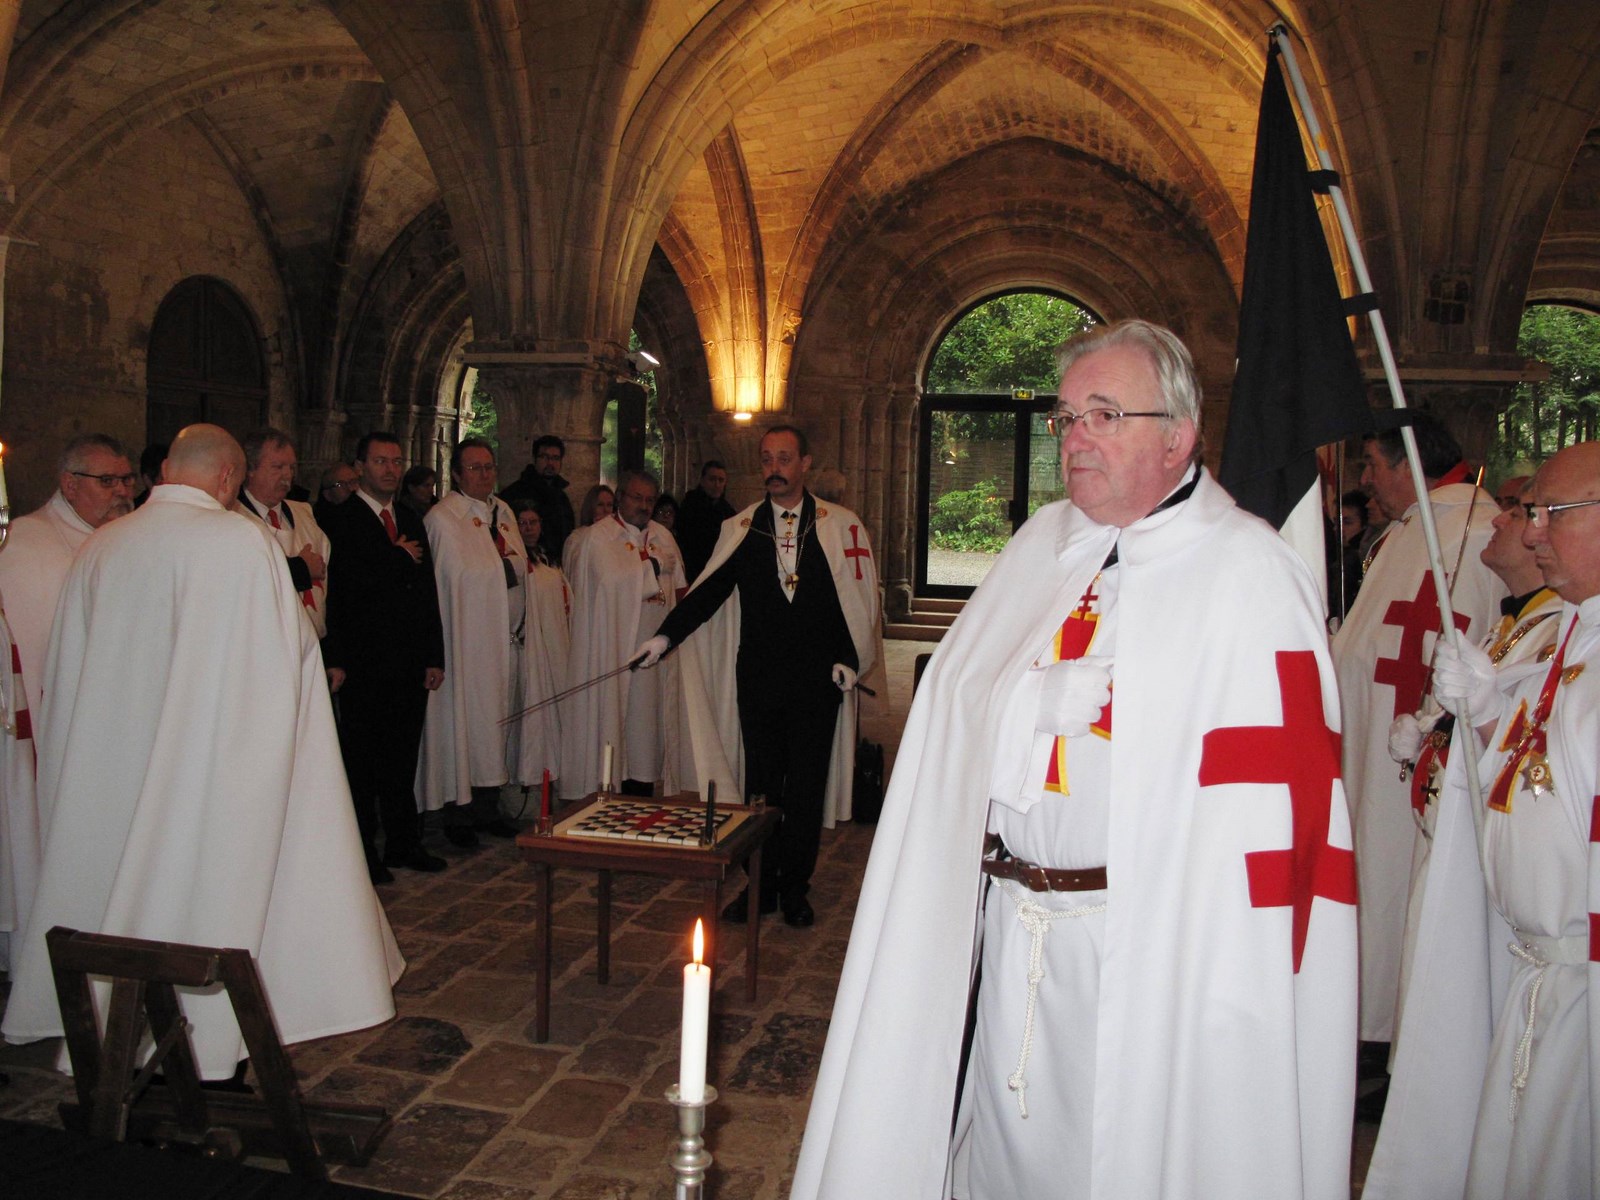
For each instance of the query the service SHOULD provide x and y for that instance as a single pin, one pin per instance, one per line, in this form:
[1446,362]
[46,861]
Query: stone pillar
[1468,392]
[429,436]
[532,399]
[319,444]
[900,521]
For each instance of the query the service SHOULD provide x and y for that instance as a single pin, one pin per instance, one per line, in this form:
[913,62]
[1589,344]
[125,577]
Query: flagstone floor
[484,1112]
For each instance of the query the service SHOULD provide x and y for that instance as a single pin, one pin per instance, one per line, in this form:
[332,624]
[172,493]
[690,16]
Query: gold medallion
[1571,673]
[1538,776]
[477,522]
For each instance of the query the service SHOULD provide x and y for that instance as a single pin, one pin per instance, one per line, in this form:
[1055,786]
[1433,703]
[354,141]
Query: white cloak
[463,742]
[20,847]
[1247,1095]
[37,557]
[542,670]
[190,783]
[710,654]
[294,538]
[1380,802]
[1452,1070]
[610,584]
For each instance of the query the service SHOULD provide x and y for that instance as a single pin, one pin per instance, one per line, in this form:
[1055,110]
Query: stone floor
[483,1112]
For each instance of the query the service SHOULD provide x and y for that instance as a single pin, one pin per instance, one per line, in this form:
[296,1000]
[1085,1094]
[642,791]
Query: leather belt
[1040,879]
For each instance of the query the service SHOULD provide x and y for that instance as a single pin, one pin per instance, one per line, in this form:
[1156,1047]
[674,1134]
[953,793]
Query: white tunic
[1224,1028]
[20,846]
[542,670]
[294,536]
[463,741]
[1533,883]
[190,783]
[1382,669]
[32,569]
[619,600]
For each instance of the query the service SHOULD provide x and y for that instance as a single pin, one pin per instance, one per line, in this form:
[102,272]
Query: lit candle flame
[699,941]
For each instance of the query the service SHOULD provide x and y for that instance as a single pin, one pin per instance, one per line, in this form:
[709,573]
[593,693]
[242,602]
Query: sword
[631,665]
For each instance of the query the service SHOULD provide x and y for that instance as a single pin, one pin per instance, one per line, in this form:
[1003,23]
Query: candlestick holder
[544,827]
[690,1158]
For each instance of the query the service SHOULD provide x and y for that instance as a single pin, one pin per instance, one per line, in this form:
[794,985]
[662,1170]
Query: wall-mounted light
[649,358]
[742,416]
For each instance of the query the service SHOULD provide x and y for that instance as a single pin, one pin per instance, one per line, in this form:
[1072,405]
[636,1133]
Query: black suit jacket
[383,608]
[792,644]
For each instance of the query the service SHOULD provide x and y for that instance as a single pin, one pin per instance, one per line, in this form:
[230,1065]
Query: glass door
[986,464]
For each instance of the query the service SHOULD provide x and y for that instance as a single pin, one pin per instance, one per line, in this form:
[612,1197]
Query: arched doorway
[986,461]
[205,362]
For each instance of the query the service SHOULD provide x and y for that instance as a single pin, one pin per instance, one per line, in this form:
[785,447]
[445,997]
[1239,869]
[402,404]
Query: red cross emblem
[1594,918]
[24,721]
[1303,753]
[1073,640]
[857,551]
[1406,671]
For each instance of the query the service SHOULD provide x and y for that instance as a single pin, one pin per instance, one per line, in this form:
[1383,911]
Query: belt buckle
[1033,876]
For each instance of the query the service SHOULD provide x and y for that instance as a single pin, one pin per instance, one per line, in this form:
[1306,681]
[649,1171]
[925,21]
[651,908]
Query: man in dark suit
[801,644]
[700,518]
[385,652]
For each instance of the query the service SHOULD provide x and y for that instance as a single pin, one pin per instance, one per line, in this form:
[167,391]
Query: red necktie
[388,525]
[272,518]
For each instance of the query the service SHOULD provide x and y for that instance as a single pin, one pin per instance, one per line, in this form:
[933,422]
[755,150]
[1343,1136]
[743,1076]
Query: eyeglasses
[340,485]
[108,481]
[1540,514]
[1097,422]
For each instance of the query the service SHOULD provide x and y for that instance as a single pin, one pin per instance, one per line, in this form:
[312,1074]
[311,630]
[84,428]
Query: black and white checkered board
[644,821]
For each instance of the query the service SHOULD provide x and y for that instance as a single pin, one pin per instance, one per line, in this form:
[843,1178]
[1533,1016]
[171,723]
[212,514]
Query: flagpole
[1279,34]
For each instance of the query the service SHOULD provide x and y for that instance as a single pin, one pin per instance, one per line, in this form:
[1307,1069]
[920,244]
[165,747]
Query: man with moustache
[269,474]
[95,484]
[213,811]
[792,582]
[385,652]
[1493,1091]
[1122,763]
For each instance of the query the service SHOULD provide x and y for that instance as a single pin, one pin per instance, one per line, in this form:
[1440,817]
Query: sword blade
[631,664]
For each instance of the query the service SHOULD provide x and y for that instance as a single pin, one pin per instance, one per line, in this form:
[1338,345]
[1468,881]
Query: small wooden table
[604,855]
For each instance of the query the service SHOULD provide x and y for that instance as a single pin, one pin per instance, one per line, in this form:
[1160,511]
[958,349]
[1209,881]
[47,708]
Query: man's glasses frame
[107,481]
[1097,422]
[1533,510]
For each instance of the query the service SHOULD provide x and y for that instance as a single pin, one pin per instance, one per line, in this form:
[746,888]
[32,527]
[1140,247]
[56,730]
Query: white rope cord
[1540,953]
[1036,919]
[1522,1060]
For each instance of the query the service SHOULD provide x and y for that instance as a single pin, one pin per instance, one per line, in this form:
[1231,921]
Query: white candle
[605,770]
[696,1019]
[5,501]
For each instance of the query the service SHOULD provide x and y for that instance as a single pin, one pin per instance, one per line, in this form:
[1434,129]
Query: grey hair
[257,443]
[74,452]
[644,476]
[1170,359]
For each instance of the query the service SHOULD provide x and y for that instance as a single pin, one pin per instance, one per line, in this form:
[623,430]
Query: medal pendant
[1538,776]
[477,522]
[1572,673]
[1406,768]
[792,581]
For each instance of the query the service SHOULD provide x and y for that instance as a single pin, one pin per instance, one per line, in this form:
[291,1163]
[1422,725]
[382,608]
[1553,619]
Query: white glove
[1464,682]
[843,677]
[1072,694]
[651,650]
[1405,738]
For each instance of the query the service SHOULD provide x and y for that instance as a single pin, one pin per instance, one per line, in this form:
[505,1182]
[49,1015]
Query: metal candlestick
[690,1157]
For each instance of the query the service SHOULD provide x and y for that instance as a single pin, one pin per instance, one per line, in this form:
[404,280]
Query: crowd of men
[1156,859]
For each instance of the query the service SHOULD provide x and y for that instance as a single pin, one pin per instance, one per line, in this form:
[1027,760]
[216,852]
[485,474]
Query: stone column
[901,521]
[567,399]
[319,443]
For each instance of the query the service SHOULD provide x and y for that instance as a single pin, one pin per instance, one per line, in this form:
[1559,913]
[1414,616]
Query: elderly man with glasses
[95,485]
[1498,1082]
[1120,777]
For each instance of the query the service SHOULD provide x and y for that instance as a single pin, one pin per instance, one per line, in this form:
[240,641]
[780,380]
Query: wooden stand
[710,864]
[113,1096]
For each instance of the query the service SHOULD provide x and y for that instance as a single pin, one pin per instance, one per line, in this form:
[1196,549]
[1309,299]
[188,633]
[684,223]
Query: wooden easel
[114,1099]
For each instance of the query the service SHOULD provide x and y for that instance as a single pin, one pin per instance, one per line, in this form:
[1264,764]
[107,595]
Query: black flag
[1298,385]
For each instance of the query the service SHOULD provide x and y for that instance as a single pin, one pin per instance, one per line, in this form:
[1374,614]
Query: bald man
[1493,1091]
[192,789]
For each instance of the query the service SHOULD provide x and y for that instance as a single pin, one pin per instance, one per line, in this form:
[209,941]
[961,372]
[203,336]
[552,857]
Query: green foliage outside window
[1006,343]
[970,519]
[1544,417]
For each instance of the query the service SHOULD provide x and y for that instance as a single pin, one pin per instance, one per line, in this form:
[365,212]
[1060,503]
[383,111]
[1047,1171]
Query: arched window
[1544,417]
[206,362]
[986,461]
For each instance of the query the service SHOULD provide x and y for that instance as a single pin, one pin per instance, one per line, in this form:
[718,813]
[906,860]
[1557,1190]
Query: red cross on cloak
[1594,918]
[857,551]
[1303,753]
[1406,671]
[23,720]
